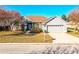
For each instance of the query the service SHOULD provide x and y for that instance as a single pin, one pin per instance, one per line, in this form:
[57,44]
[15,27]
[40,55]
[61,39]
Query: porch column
[33,25]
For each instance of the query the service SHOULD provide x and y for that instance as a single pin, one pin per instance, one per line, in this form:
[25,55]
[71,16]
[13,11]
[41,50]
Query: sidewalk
[22,47]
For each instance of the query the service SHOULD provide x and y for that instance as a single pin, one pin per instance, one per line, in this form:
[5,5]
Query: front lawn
[74,34]
[19,37]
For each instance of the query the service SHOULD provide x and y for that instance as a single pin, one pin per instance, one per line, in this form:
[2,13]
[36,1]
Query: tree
[15,19]
[74,17]
[8,17]
[64,17]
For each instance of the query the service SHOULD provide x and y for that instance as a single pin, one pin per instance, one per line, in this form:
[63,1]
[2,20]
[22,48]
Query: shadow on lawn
[20,33]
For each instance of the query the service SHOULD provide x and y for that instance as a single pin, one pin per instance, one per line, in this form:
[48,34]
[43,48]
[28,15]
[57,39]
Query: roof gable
[55,20]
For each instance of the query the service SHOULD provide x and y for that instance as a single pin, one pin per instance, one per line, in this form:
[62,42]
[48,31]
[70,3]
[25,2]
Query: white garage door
[56,28]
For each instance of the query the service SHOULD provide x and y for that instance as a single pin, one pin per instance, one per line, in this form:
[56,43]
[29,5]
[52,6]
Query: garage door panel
[55,28]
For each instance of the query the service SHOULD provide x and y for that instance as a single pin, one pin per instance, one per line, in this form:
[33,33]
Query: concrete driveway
[64,38]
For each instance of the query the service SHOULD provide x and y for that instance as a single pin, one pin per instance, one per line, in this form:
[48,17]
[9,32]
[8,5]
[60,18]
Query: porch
[30,25]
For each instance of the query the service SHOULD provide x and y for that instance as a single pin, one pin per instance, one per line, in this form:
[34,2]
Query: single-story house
[55,24]
[70,24]
[33,21]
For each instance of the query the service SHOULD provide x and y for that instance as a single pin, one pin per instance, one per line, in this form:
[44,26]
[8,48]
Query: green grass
[19,37]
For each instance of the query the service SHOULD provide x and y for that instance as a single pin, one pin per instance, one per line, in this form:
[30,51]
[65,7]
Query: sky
[42,10]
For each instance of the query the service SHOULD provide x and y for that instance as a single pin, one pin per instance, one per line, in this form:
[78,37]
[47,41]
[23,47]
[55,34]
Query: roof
[52,18]
[41,19]
[70,23]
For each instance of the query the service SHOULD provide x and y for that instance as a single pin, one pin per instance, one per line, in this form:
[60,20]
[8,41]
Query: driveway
[64,38]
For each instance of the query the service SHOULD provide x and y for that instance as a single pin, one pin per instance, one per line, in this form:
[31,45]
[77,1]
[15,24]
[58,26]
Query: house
[56,24]
[33,22]
[70,24]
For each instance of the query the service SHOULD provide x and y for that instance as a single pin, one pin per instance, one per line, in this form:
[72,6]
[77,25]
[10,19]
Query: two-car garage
[55,28]
[56,25]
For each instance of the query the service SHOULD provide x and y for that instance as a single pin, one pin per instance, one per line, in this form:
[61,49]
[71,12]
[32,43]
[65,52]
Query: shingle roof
[41,19]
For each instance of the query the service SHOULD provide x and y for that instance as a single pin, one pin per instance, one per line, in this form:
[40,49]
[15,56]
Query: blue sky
[44,10]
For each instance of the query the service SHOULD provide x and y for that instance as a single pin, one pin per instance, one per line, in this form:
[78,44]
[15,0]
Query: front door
[29,26]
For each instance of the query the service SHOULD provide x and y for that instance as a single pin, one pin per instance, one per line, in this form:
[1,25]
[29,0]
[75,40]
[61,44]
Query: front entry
[29,26]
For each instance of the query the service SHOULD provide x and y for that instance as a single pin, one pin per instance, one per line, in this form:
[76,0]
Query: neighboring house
[56,24]
[34,22]
[70,24]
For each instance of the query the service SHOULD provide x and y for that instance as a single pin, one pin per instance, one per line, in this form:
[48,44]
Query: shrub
[46,31]
[70,29]
[36,30]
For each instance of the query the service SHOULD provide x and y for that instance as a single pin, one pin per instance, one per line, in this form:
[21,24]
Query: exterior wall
[44,27]
[40,25]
